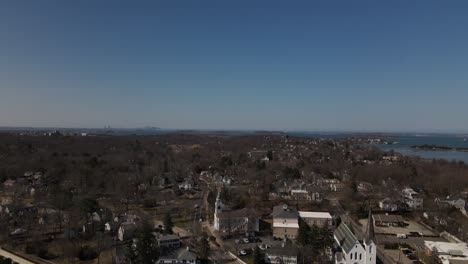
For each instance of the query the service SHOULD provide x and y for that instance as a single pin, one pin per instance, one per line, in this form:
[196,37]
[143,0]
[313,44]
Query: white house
[413,199]
[388,205]
[351,250]
[185,186]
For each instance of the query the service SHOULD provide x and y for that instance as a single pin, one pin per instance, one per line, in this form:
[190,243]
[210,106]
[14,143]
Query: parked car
[416,234]
[264,246]
[402,236]
[406,251]
[242,253]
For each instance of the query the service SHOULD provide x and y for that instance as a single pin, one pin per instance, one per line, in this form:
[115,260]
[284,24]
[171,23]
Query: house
[286,254]
[390,159]
[351,250]
[111,226]
[364,187]
[126,231]
[186,186]
[300,195]
[388,205]
[234,221]
[447,252]
[453,201]
[388,220]
[179,256]
[285,222]
[319,219]
[413,199]
[169,241]
[9,183]
[37,175]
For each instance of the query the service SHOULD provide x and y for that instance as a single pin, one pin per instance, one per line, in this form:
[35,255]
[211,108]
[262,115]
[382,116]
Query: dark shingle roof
[245,212]
[284,211]
[182,253]
[345,238]
[285,250]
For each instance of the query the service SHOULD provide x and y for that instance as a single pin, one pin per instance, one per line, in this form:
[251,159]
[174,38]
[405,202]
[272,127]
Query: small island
[440,148]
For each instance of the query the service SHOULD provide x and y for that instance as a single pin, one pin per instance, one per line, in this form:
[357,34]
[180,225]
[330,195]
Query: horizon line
[327,131]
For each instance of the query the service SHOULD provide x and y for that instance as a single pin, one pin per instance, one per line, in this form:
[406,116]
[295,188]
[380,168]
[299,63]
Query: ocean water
[452,141]
[405,141]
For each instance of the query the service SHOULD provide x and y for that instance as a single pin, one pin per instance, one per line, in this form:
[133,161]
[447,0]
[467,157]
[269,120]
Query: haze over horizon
[243,65]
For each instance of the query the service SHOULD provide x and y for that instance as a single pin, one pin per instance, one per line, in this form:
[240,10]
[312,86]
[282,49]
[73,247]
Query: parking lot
[235,248]
[417,243]
[412,227]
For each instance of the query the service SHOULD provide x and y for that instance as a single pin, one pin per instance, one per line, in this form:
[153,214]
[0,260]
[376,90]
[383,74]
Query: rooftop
[449,252]
[182,253]
[304,214]
[284,211]
[345,238]
[388,218]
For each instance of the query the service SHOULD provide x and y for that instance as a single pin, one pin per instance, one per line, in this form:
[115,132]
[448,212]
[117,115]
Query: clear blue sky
[288,65]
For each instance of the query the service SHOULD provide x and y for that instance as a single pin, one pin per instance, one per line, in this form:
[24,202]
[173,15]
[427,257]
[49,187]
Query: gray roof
[168,237]
[345,238]
[284,211]
[388,218]
[181,253]
[245,212]
[287,250]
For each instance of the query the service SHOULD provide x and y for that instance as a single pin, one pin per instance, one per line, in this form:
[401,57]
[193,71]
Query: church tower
[369,241]
[218,209]
[218,204]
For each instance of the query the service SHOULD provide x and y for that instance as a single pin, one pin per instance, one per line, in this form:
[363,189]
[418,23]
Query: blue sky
[283,65]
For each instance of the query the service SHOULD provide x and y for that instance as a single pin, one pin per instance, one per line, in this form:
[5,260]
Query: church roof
[345,238]
[245,212]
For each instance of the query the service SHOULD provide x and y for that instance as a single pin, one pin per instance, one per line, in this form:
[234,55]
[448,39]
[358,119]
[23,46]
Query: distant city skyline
[364,66]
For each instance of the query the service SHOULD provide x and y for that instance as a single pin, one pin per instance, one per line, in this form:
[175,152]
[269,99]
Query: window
[351,255]
[360,256]
[370,249]
[355,255]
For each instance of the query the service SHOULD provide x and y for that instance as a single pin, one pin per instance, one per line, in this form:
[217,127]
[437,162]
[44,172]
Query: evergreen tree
[203,247]
[146,246]
[168,224]
[130,253]
[270,155]
[303,233]
[326,236]
[259,257]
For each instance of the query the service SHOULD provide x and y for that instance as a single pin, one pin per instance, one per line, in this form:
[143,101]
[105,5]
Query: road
[19,259]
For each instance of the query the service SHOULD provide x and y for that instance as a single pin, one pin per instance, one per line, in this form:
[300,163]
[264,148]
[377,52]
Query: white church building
[353,251]
[234,221]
